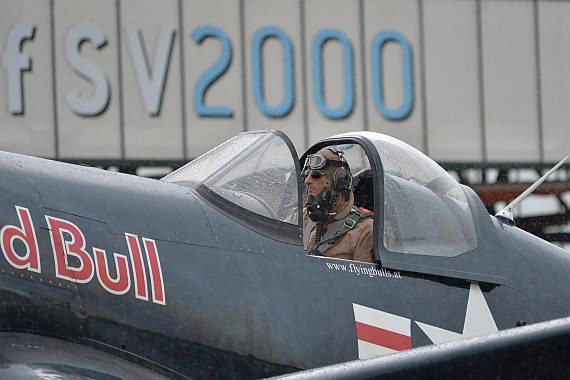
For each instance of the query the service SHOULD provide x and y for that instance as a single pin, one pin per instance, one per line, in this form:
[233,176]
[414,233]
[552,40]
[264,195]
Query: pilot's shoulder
[365,225]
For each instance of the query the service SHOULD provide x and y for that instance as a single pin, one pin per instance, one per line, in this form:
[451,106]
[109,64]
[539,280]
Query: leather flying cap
[333,162]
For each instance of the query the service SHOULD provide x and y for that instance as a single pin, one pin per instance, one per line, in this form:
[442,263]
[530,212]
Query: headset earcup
[342,180]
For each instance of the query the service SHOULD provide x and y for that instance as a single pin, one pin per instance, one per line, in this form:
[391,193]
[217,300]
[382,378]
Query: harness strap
[333,232]
[329,234]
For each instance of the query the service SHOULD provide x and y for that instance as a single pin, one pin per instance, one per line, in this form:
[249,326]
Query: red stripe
[384,338]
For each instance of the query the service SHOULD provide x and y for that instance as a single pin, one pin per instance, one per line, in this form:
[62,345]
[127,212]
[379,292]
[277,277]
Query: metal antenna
[507,212]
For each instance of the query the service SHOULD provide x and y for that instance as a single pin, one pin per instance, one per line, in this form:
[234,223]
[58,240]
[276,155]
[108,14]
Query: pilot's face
[315,186]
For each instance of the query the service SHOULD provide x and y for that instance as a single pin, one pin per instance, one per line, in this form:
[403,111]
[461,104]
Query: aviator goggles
[315,161]
[318,161]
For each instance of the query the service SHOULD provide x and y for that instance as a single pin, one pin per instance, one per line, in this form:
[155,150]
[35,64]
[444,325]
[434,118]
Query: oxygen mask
[319,206]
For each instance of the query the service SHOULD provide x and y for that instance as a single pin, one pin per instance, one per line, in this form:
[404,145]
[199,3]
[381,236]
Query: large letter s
[97,104]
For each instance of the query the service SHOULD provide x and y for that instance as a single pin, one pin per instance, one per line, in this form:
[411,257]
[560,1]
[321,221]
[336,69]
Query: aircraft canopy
[424,220]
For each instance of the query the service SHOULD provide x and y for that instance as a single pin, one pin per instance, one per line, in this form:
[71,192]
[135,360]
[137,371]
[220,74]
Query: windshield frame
[273,228]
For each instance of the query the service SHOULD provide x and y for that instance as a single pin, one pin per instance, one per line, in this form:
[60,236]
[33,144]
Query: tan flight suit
[356,244]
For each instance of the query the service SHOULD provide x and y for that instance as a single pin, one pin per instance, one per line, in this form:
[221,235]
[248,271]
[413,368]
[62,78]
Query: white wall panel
[341,85]
[205,132]
[452,81]
[31,131]
[555,77]
[401,16]
[509,70]
[153,130]
[97,135]
[284,15]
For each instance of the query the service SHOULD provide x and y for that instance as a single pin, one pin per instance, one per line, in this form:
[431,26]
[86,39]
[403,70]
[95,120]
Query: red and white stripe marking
[380,333]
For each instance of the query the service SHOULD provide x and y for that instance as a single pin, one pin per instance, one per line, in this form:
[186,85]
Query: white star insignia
[478,320]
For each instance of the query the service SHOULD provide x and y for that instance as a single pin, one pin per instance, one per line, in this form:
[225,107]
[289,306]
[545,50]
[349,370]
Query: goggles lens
[316,174]
[316,161]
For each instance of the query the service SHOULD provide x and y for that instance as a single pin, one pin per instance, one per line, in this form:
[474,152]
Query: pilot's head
[328,181]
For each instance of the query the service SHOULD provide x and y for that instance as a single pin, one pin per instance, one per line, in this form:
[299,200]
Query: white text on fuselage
[68,240]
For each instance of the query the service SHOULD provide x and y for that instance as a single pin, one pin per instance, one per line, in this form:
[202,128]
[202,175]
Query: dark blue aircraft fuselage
[152,272]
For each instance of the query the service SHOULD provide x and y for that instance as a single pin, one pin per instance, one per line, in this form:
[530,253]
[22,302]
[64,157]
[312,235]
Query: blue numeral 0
[258,39]
[346,108]
[406,108]
[213,73]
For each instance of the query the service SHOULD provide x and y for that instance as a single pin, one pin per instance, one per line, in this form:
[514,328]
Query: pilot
[333,227]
